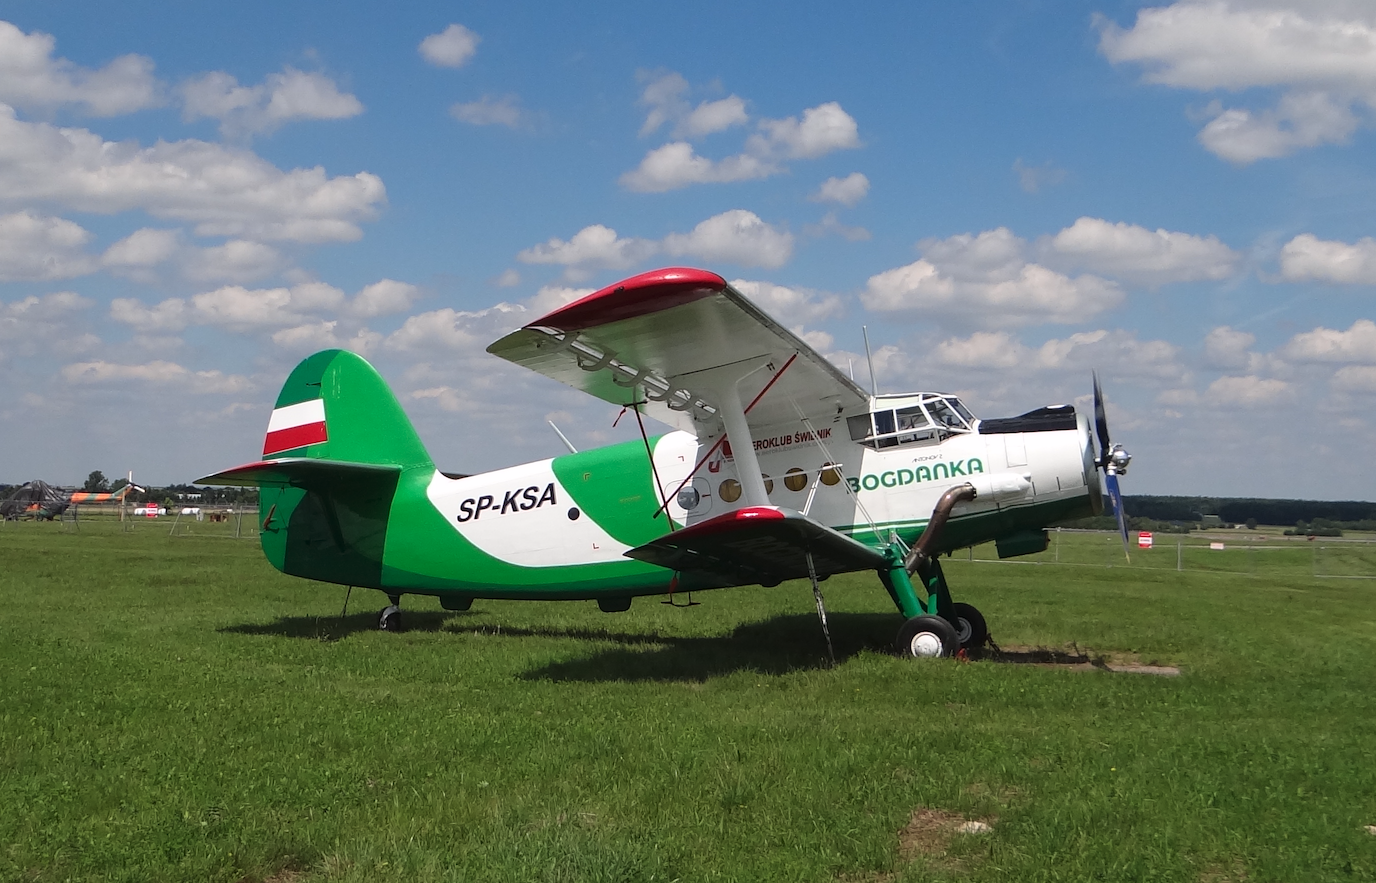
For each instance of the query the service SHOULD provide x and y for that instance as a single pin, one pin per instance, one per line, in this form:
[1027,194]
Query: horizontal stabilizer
[297,472]
[760,544]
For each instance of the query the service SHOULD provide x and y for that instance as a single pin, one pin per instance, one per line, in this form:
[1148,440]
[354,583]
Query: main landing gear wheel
[925,636]
[390,618]
[971,630]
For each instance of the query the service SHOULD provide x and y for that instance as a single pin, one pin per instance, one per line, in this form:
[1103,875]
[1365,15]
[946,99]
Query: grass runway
[172,709]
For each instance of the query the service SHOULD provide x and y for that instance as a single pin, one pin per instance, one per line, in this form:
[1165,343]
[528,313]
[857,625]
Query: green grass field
[172,709]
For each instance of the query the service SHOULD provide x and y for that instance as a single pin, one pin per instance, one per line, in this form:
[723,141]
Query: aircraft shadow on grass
[772,646]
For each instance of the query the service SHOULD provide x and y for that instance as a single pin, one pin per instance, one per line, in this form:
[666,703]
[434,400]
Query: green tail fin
[336,406]
[344,443]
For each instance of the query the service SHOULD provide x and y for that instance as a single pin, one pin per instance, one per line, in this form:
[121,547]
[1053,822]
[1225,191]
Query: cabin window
[937,417]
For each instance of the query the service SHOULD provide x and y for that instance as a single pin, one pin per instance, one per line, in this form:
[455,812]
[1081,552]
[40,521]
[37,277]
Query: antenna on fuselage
[874,385]
[563,438]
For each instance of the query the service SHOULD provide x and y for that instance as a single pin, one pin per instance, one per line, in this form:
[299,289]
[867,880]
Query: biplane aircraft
[779,467]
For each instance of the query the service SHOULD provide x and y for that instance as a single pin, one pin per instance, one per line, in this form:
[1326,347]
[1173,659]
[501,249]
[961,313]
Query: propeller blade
[1116,496]
[1100,420]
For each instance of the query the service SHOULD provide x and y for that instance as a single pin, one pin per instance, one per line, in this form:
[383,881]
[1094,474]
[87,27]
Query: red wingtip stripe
[294,437]
[637,296]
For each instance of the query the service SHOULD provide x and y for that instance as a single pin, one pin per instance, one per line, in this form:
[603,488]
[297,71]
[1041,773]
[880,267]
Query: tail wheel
[927,636]
[390,619]
[971,630]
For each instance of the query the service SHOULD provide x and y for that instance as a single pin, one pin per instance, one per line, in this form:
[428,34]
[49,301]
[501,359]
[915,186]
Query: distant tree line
[1238,510]
[1164,514]
[169,496]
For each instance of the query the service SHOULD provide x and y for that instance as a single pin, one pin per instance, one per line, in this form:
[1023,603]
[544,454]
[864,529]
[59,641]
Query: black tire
[971,630]
[927,636]
[390,622]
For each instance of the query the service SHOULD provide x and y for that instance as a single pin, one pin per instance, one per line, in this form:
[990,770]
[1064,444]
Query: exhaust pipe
[920,554]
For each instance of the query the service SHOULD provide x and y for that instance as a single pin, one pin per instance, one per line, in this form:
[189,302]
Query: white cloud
[592,248]
[1323,63]
[509,278]
[237,309]
[1356,344]
[223,191]
[983,349]
[822,130]
[710,117]
[38,326]
[664,95]
[792,306]
[451,47]
[847,191]
[157,372]
[1033,178]
[986,280]
[382,298]
[489,111]
[39,248]
[450,329]
[1305,119]
[736,236]
[1248,391]
[1226,347]
[31,78]
[20,316]
[280,98]
[830,225]
[237,260]
[552,297]
[677,165]
[169,315]
[1308,257]
[1355,378]
[146,247]
[1119,351]
[1136,254]
[314,336]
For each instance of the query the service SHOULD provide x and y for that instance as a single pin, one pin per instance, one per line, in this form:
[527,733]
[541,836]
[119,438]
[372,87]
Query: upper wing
[658,337]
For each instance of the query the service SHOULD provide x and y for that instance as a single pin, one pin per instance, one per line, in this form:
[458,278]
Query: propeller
[1114,460]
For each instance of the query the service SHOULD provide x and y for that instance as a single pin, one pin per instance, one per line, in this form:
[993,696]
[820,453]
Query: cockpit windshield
[929,420]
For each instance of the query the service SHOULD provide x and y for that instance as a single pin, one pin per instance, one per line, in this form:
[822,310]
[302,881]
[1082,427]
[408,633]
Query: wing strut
[821,605]
[750,442]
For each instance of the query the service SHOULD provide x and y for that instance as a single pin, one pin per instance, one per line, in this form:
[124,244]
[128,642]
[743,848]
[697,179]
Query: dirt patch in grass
[1072,658]
[1217,873]
[929,837]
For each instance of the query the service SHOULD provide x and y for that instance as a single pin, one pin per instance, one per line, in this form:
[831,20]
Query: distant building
[1211,521]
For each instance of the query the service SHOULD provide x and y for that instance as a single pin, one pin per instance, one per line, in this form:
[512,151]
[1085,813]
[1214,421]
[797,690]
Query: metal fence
[1236,552]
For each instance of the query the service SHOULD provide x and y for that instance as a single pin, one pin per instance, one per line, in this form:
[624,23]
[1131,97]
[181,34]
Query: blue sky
[192,198]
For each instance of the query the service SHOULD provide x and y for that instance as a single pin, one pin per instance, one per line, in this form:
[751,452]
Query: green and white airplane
[780,468]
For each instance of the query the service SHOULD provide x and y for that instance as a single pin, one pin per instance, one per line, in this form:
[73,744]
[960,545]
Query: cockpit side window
[945,415]
[962,410]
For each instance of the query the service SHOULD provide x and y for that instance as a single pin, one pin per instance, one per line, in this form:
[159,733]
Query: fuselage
[559,528]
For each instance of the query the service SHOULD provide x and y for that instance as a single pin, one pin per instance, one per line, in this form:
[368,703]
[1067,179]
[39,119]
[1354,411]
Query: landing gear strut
[938,626]
[390,618]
